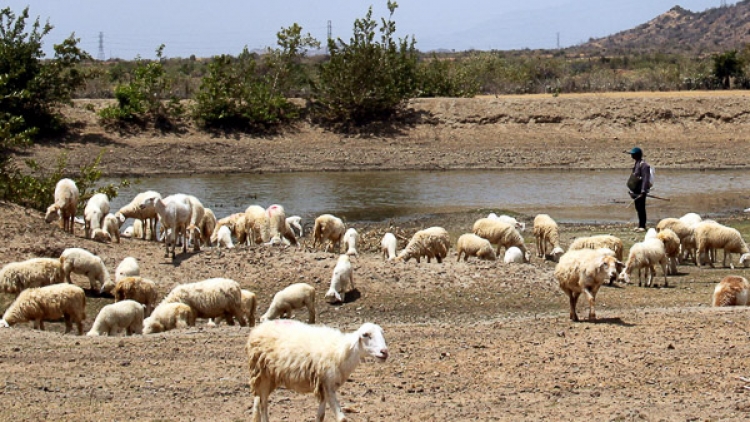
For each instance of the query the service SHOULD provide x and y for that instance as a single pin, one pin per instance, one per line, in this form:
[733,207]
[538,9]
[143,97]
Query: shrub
[445,78]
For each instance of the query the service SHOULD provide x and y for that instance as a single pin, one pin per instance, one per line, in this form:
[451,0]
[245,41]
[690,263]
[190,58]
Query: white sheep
[293,297]
[328,229]
[128,267]
[683,230]
[645,255]
[514,255]
[99,235]
[49,303]
[249,306]
[671,248]
[169,316]
[520,226]
[207,226]
[732,290]
[613,243]
[111,225]
[584,271]
[81,261]
[388,246]
[65,205]
[126,315]
[503,234]
[711,235]
[350,239]
[210,298]
[224,238]
[651,234]
[470,244]
[35,272]
[236,225]
[139,289]
[96,209]
[145,216]
[307,359]
[175,212]
[276,225]
[433,242]
[343,277]
[255,225]
[546,232]
[295,222]
[197,212]
[135,231]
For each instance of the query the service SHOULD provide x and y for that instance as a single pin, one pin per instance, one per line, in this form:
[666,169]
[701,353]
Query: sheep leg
[573,301]
[591,297]
[68,324]
[664,269]
[333,403]
[321,415]
[310,313]
[39,324]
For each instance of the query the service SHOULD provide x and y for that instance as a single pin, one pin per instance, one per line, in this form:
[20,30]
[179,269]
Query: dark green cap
[635,150]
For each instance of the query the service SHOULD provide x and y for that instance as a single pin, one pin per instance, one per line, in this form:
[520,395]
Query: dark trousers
[640,207]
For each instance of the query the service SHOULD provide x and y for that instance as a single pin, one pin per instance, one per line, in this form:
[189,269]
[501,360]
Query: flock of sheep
[303,357]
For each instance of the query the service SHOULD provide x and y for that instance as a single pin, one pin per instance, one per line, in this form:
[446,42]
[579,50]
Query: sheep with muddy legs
[65,205]
[502,234]
[81,261]
[711,235]
[126,315]
[139,289]
[48,303]
[295,296]
[210,298]
[584,271]
[732,290]
[342,280]
[388,246]
[610,242]
[546,232]
[307,359]
[330,230]
[646,255]
[175,212]
[433,242]
[169,316]
[470,244]
[35,272]
[146,216]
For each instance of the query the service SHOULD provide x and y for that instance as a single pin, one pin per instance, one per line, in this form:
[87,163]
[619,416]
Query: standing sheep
[139,289]
[112,318]
[174,213]
[207,226]
[671,248]
[307,359]
[546,232]
[65,205]
[470,244]
[210,298]
[146,216]
[48,303]
[35,272]
[646,255]
[111,226]
[732,290]
[249,306]
[194,227]
[432,243]
[328,229]
[127,268]
[293,297]
[683,230]
[350,238]
[716,236]
[584,271]
[610,242]
[96,209]
[388,246]
[503,234]
[342,278]
[81,261]
[255,225]
[169,316]
[236,225]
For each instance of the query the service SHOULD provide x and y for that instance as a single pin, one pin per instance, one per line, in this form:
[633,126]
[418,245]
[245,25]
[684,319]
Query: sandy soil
[468,341]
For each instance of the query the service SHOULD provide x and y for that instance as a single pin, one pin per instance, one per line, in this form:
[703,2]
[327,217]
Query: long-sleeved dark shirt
[643,170]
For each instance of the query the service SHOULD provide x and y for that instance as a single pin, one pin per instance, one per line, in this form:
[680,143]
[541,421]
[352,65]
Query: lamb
[135,231]
[174,212]
[305,359]
[514,255]
[65,205]
[96,209]
[81,261]
[584,271]
[207,226]
[295,222]
[470,244]
[328,228]
[48,303]
[249,305]
[504,234]
[710,235]
[546,232]
[293,297]
[127,268]
[432,243]
[350,238]
[35,272]
[112,318]
[236,225]
[520,226]
[168,316]
[646,255]
[139,289]
[342,278]
[388,246]
[224,238]
[210,298]
[671,248]
[111,226]
[196,217]
[144,216]
[599,241]
[732,290]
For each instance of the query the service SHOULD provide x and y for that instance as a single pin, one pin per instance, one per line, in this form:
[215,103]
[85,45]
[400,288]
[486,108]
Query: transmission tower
[329,35]
[100,54]
[723,3]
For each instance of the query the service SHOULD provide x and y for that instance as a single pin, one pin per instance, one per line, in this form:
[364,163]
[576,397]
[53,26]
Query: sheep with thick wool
[295,296]
[255,225]
[276,226]
[732,290]
[388,246]
[128,267]
[547,232]
[236,225]
[175,213]
[49,303]
[81,261]
[145,216]
[197,212]
[35,272]
[433,242]
[126,315]
[470,244]
[671,248]
[97,207]
[169,316]
[584,271]
[207,226]
[350,239]
[610,242]
[210,298]
[513,255]
[65,205]
[683,230]
[646,255]
[307,359]
[502,234]
[249,306]
[139,289]
[709,235]
[330,230]
[341,281]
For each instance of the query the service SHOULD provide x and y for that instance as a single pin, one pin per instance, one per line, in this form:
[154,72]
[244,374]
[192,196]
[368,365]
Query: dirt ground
[468,341]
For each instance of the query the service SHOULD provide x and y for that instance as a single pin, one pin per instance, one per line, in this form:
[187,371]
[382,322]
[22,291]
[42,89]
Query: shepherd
[639,184]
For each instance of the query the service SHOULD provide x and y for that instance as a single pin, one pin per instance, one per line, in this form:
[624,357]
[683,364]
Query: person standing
[639,183]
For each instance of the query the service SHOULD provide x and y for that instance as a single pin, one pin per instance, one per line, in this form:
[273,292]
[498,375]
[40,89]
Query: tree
[727,66]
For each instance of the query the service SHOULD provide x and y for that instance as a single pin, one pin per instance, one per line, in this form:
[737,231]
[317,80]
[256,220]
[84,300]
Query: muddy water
[569,196]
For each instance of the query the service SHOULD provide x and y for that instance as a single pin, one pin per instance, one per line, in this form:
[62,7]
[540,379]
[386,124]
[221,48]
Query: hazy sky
[209,27]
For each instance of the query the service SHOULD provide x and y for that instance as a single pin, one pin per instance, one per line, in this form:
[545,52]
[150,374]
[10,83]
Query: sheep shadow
[351,296]
[179,258]
[95,294]
[611,321]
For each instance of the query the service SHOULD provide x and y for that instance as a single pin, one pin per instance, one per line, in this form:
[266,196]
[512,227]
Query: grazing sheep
[388,246]
[711,235]
[145,217]
[210,298]
[35,272]
[48,303]
[99,235]
[470,244]
[169,316]
[249,306]
[503,234]
[127,315]
[432,243]
[207,226]
[139,289]
[307,359]
[520,226]
[732,290]
[175,212]
[295,222]
[646,255]
[198,211]
[350,238]
[128,268]
[343,277]
[276,226]
[81,261]
[671,248]
[599,241]
[96,209]
[255,225]
[65,205]
[584,271]
[111,225]
[684,231]
[236,225]
[328,229]
[135,231]
[514,255]
[224,238]
[546,232]
[293,297]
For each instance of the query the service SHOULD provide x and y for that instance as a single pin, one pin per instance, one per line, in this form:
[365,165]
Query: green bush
[445,78]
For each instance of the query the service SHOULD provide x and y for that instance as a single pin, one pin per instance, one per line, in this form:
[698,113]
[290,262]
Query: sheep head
[370,339]
[556,254]
[120,219]
[745,260]
[4,324]
[53,213]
